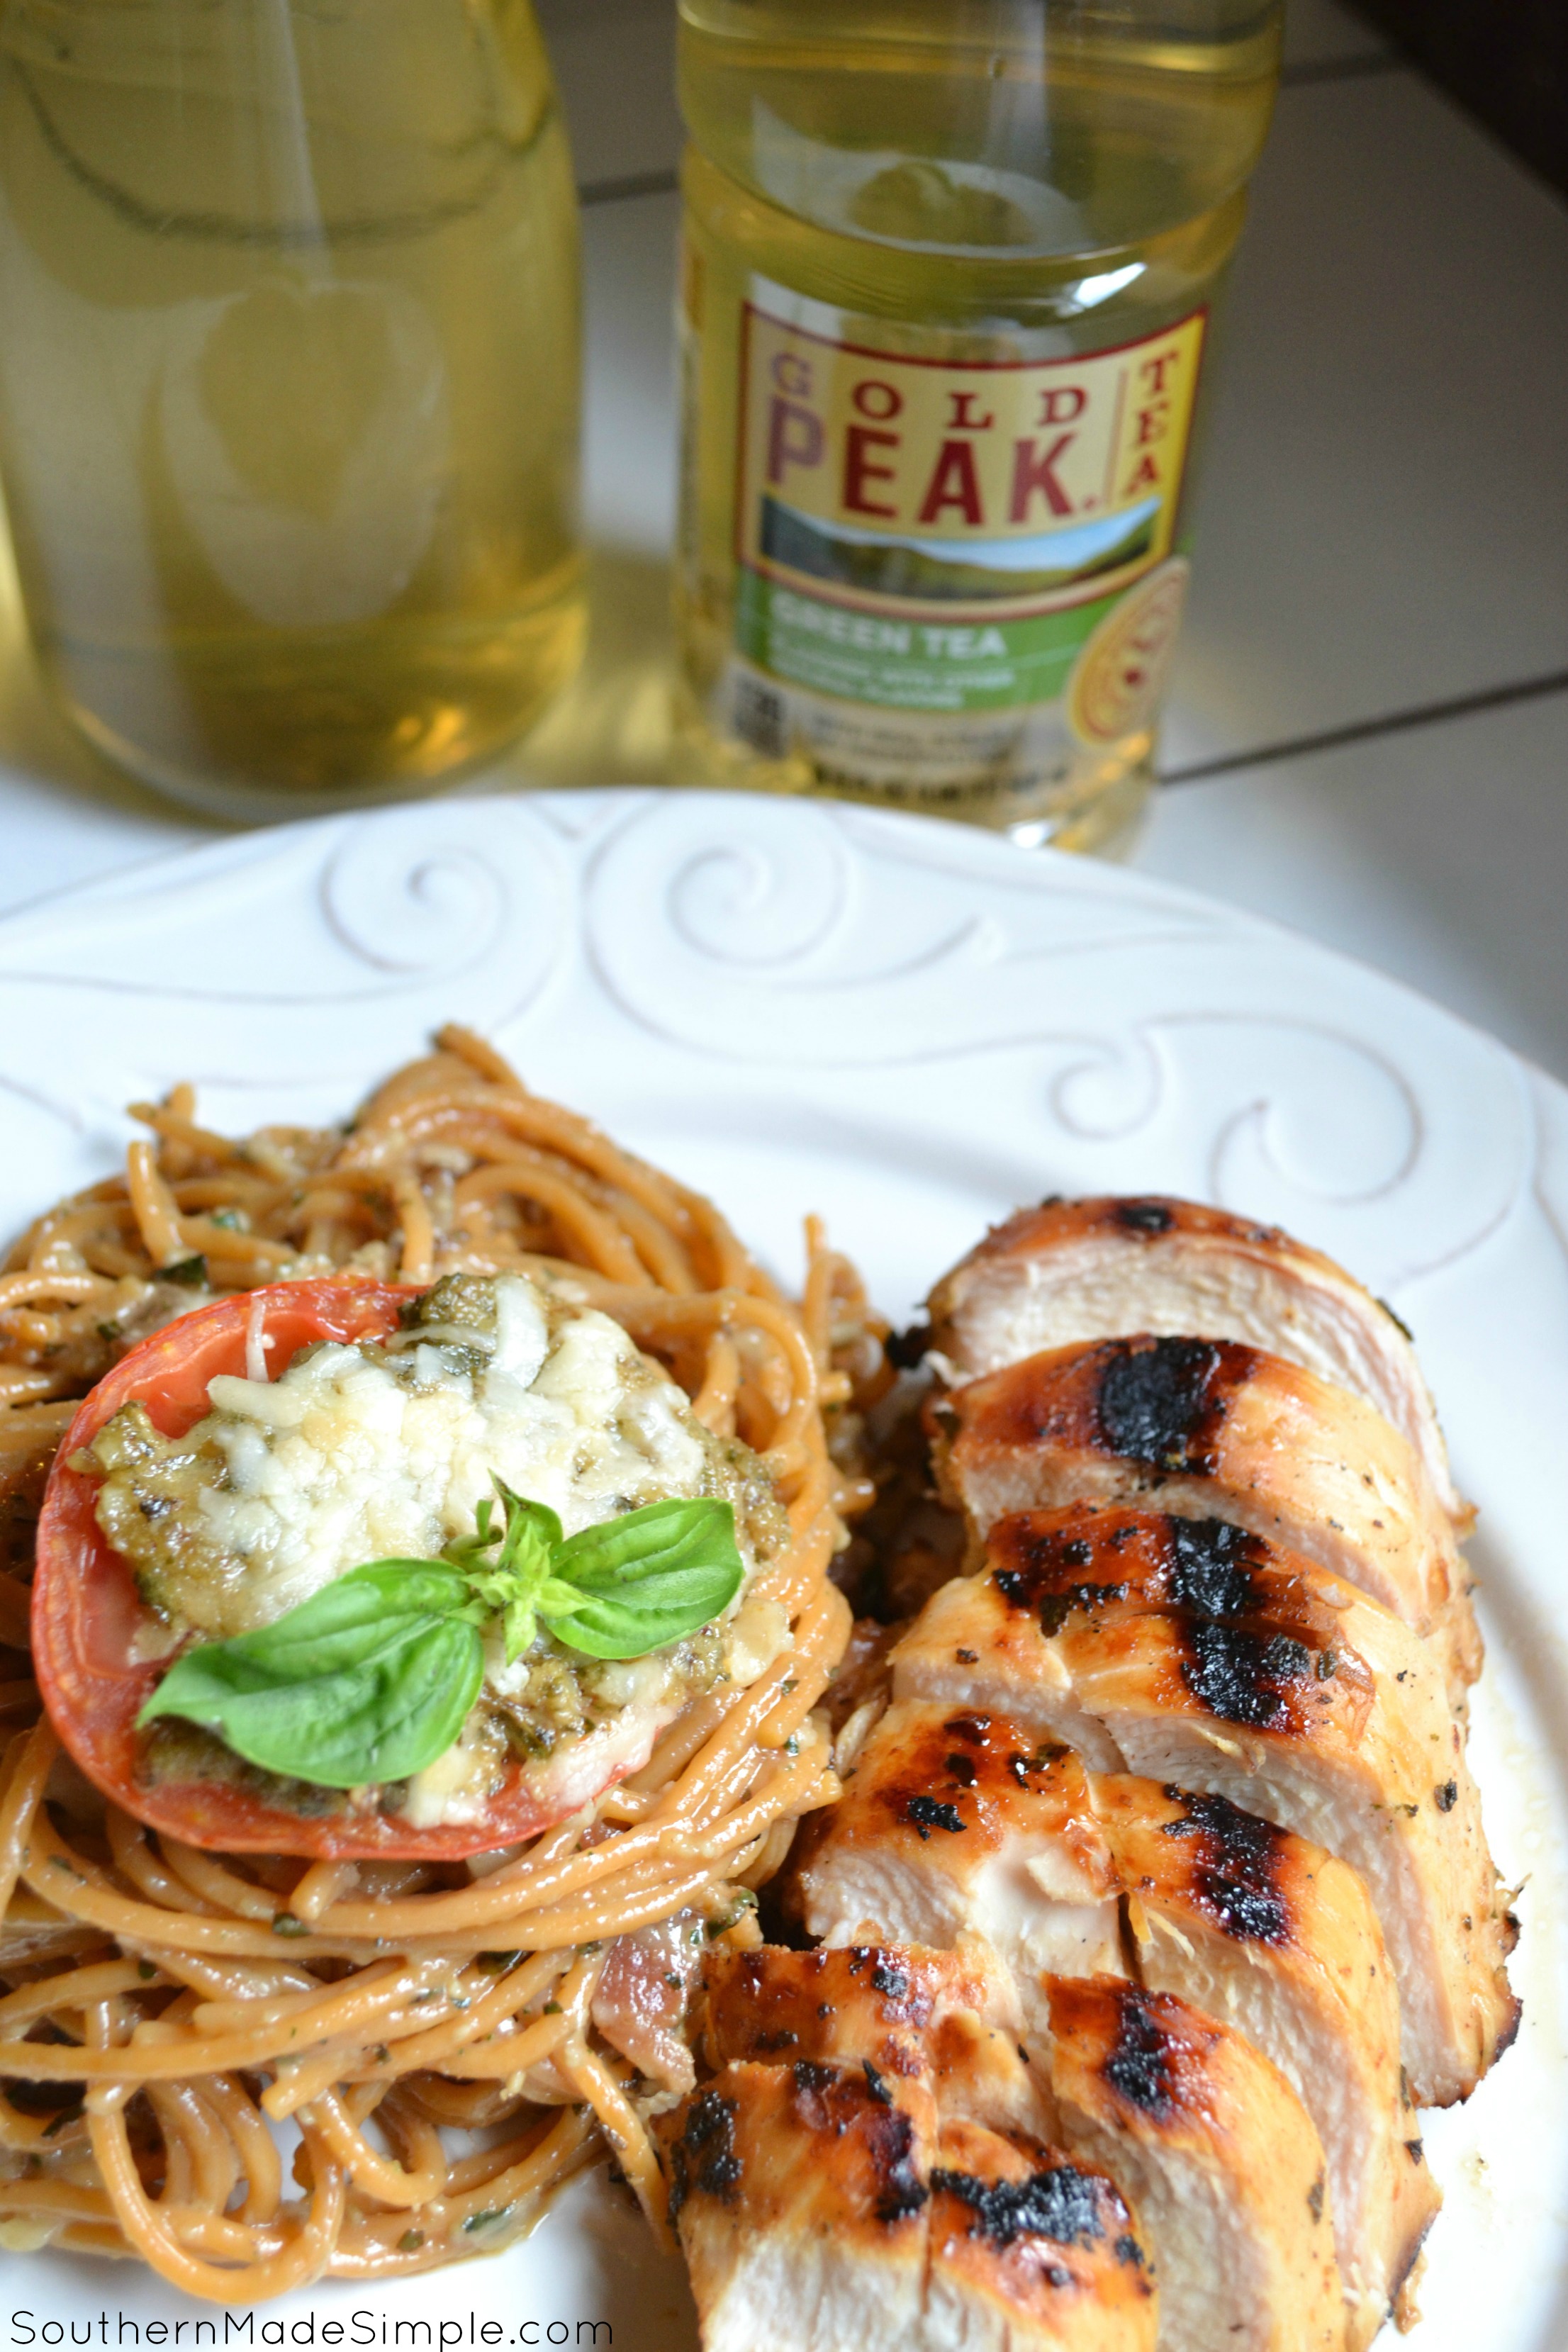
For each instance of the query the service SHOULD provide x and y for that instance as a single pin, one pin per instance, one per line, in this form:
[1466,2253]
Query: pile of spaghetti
[430,2030]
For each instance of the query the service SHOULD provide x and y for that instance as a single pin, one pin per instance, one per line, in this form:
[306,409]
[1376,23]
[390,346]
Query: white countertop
[1368,738]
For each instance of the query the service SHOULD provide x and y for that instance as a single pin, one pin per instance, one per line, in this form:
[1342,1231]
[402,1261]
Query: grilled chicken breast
[1074,1270]
[950,2018]
[1220,2157]
[799,2195]
[1158,1892]
[1197,1655]
[1210,1429]
[1031,2252]
[823,2207]
[952,1818]
[1264,1930]
[956,1823]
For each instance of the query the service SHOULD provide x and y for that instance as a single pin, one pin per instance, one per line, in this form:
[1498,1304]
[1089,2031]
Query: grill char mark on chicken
[1142,2064]
[831,2100]
[821,2203]
[1210,1430]
[1142,1217]
[1092,1269]
[704,2156]
[1235,1862]
[1211,1567]
[1162,1400]
[1260,1648]
[1031,2237]
[889,2009]
[1037,1559]
[1244,1678]
[1239,1918]
[1261,1640]
[908,2014]
[1060,2201]
[1348,1757]
[1220,2157]
[994,1757]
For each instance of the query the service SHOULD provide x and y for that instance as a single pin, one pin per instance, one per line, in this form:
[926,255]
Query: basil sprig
[373,1677]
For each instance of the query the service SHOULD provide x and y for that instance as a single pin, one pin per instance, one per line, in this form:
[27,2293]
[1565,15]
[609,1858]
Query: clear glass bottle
[289,385]
[950,277]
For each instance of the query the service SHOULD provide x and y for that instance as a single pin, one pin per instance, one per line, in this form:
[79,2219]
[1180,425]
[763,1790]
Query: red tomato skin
[86,1609]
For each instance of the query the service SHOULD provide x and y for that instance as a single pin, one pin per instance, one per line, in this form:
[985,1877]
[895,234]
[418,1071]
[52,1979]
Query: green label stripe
[904,665]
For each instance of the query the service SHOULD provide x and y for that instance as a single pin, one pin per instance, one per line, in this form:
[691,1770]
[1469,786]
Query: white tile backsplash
[1384,516]
[1439,853]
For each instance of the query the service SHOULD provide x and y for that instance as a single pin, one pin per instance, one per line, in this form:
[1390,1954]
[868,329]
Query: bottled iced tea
[951,282]
[288,384]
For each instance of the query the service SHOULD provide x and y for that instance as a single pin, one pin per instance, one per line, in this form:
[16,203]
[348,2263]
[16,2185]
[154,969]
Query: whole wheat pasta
[155,2017]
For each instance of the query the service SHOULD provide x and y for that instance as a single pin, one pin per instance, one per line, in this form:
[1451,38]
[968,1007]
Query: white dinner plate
[910,1028]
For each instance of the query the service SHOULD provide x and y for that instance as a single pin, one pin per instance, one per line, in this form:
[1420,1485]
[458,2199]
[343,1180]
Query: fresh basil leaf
[646,1578]
[682,1534]
[512,1582]
[370,1680]
[464,1549]
[518,1624]
[525,1521]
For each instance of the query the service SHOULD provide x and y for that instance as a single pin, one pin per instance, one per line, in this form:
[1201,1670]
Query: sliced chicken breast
[1278,1940]
[1208,1428]
[950,2018]
[822,2209]
[1074,1270]
[1030,2251]
[1197,1655]
[1251,1925]
[799,2195]
[1218,2155]
[958,1825]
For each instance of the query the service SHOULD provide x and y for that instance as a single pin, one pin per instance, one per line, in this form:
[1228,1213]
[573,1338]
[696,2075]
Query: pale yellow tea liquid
[288,384]
[912,219]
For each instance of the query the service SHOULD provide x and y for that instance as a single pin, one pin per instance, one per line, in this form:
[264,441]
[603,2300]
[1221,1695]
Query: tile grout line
[1367,731]
[636,183]
[1312,71]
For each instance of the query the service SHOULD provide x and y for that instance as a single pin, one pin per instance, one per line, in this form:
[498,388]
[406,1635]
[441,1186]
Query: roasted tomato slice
[88,1615]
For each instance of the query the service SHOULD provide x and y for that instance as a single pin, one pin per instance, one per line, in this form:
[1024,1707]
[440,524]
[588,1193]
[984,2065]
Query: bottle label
[968,539]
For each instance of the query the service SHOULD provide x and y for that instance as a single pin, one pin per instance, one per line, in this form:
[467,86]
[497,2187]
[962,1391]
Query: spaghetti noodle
[162,2007]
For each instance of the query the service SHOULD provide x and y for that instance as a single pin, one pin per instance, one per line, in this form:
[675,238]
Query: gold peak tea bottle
[951,275]
[288,384]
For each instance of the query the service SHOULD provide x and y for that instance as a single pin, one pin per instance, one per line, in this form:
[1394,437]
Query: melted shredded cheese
[385,1451]
[355,1454]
